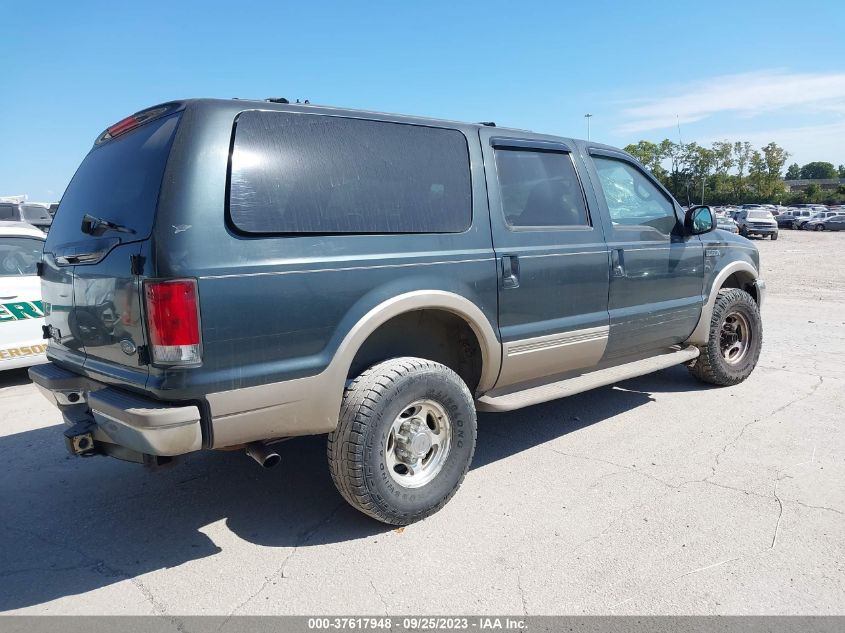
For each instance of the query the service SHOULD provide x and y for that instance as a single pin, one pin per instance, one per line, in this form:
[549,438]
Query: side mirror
[699,220]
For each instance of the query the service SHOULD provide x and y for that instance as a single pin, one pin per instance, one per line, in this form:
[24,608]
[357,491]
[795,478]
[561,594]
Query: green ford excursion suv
[229,274]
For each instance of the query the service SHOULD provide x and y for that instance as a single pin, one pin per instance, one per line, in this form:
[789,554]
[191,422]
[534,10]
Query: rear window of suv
[295,173]
[118,181]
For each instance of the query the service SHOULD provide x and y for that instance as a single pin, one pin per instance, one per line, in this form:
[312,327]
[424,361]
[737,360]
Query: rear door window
[118,181]
[297,173]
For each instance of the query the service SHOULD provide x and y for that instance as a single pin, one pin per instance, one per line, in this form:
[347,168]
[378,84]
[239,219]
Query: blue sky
[747,70]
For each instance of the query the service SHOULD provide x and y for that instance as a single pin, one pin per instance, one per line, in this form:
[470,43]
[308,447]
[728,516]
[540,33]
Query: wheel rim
[735,338]
[418,443]
[820,227]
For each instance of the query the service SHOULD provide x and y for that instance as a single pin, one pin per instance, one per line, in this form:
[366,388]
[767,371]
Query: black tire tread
[345,446]
[708,366]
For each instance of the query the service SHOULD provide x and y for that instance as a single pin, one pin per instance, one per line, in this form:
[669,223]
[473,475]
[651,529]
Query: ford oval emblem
[128,346]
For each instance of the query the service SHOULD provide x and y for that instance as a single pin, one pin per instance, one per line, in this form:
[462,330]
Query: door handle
[617,263]
[510,271]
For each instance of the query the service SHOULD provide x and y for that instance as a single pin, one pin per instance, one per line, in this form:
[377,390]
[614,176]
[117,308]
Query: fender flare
[701,332]
[491,349]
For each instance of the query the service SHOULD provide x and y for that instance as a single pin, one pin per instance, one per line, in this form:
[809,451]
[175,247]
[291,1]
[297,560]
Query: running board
[585,382]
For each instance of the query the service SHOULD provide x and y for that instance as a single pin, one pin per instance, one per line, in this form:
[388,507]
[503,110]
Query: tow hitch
[79,438]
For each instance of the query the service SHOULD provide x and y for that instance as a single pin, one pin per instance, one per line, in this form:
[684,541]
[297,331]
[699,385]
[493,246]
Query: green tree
[650,156]
[818,170]
[794,172]
[811,191]
[775,157]
[742,157]
[842,171]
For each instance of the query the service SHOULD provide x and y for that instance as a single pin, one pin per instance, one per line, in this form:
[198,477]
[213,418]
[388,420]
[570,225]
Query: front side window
[632,199]
[8,212]
[19,256]
[313,174]
[540,189]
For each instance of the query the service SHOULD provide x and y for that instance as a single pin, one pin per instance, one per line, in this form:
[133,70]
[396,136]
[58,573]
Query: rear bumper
[118,418]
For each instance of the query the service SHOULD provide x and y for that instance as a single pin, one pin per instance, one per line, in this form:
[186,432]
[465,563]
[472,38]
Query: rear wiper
[97,226]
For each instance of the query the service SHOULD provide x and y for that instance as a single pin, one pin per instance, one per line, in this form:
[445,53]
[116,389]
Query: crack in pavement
[307,535]
[101,567]
[521,593]
[381,598]
[796,400]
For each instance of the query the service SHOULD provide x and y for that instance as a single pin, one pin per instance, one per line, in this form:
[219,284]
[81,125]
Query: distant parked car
[821,215]
[21,310]
[757,221]
[34,214]
[827,223]
[727,224]
[787,219]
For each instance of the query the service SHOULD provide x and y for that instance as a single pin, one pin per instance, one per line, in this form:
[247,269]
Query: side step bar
[584,382]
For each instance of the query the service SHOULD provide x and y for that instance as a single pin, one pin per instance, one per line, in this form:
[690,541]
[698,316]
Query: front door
[657,272]
[551,256]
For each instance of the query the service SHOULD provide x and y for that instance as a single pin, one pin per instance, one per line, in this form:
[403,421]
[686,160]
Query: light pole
[588,117]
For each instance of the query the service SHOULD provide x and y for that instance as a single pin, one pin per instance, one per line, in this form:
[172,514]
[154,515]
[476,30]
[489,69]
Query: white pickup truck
[21,309]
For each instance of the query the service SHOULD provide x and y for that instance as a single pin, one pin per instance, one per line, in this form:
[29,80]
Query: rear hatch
[101,229]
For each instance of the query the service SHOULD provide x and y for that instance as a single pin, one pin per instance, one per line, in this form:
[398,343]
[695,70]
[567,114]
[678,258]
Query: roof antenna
[681,148]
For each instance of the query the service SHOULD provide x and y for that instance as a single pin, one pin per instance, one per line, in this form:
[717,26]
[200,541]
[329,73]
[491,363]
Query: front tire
[774,236]
[734,341]
[404,440]
[820,227]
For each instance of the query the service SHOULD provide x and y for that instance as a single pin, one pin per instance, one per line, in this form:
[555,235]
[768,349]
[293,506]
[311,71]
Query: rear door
[93,297]
[657,272]
[21,309]
[551,256]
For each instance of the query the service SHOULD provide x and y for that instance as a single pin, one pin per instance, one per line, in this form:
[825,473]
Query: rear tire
[820,227]
[404,440]
[734,341]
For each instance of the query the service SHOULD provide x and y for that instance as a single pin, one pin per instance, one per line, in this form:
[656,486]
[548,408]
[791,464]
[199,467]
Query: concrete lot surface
[656,496]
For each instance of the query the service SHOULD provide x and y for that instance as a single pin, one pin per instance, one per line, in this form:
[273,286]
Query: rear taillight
[173,322]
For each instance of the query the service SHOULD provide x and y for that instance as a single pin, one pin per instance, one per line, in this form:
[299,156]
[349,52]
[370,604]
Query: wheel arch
[418,302]
[736,274]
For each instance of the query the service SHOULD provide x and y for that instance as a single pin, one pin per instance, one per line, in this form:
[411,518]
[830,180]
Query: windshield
[119,182]
[760,214]
[19,256]
[35,213]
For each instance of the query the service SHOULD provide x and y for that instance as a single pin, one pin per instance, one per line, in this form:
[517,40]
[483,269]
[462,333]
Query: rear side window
[118,181]
[540,189]
[304,173]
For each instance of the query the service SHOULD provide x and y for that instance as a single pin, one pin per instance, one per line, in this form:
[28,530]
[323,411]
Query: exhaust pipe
[264,455]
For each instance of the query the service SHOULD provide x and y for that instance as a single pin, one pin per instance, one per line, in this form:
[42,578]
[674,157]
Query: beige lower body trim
[584,382]
[532,358]
[304,406]
[310,406]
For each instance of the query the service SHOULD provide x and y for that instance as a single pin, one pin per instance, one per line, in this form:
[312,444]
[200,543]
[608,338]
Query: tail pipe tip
[261,453]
